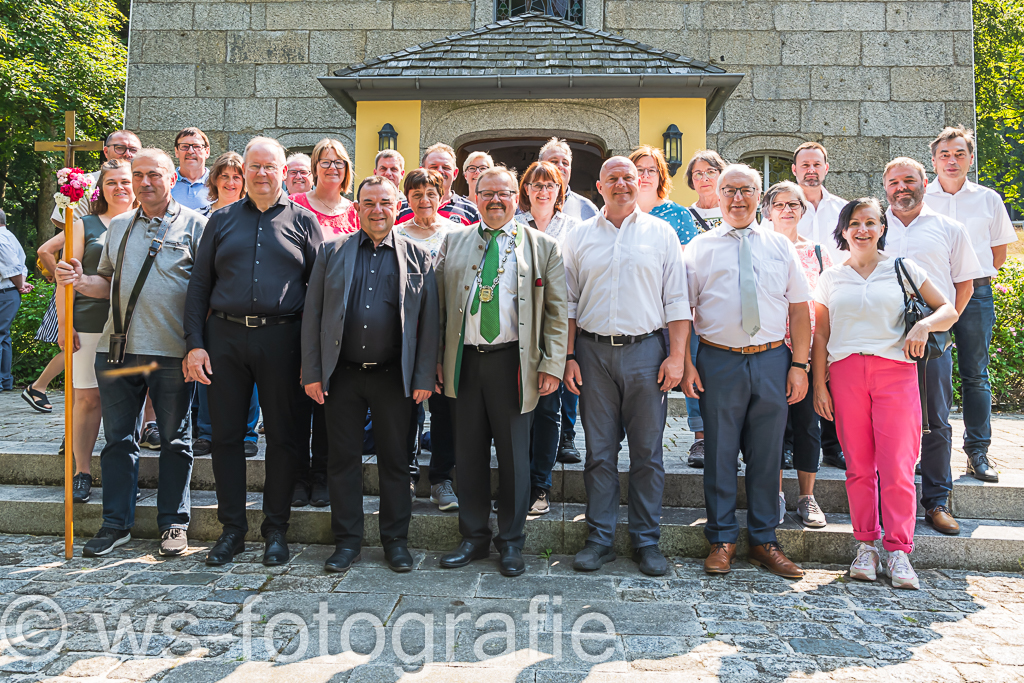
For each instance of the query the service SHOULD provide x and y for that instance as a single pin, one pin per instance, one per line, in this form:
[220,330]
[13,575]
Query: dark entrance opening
[519,153]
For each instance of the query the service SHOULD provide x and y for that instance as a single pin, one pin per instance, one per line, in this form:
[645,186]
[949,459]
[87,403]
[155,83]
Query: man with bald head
[626,283]
[243,325]
[744,282]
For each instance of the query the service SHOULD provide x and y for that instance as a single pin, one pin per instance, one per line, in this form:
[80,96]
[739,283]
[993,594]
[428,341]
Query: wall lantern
[387,138]
[673,148]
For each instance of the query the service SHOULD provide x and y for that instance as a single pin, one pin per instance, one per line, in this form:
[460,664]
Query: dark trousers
[973,333]
[10,302]
[268,357]
[442,441]
[743,405]
[803,433]
[487,408]
[122,399]
[203,428]
[544,440]
[937,447]
[352,391]
[312,464]
[570,402]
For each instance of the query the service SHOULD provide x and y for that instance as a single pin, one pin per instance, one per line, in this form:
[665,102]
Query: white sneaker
[782,507]
[866,566]
[902,574]
[809,513]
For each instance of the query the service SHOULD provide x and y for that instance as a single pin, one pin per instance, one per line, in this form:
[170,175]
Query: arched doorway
[520,152]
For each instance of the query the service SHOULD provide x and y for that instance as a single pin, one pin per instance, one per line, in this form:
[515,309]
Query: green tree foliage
[999,87]
[55,55]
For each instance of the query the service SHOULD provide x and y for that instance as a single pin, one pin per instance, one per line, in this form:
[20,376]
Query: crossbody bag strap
[700,219]
[115,285]
[154,248]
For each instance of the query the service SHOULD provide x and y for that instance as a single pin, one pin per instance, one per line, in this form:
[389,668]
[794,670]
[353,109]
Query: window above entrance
[571,10]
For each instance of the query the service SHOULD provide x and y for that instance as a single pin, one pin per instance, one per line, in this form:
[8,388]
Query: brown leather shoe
[769,556]
[720,559]
[942,520]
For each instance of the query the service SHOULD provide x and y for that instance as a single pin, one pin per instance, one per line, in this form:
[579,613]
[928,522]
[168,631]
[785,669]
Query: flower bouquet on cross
[74,184]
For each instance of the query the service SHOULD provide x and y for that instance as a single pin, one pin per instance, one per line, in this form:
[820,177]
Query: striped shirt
[458,210]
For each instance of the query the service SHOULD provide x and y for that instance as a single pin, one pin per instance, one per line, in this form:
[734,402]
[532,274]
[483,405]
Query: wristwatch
[803,366]
[569,357]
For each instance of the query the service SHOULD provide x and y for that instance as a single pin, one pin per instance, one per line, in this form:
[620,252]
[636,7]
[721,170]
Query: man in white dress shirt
[810,166]
[626,282]
[989,229]
[744,281]
[940,246]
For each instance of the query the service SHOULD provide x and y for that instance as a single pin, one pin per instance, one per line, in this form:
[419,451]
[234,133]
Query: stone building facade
[870,80]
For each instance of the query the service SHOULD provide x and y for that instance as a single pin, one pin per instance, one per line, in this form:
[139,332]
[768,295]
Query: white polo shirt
[818,224]
[713,278]
[937,244]
[982,213]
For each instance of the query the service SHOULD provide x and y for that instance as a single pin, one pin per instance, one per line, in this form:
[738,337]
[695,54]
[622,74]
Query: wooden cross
[69,146]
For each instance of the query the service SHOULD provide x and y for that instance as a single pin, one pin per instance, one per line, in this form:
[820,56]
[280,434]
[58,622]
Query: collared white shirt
[937,244]
[12,258]
[629,280]
[559,227]
[713,277]
[819,224]
[982,213]
[508,304]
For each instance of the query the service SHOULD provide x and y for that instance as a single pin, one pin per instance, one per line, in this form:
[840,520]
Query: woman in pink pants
[862,341]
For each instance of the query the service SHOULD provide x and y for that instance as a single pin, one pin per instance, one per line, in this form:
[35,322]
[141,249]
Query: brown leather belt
[746,350]
[982,281]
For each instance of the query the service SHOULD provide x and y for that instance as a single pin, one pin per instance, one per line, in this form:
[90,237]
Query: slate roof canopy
[531,56]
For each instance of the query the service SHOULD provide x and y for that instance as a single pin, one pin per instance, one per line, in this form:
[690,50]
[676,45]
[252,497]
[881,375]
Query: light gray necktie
[748,285]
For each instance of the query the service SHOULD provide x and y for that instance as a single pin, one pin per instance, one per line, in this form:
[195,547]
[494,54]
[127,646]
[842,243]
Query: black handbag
[914,310]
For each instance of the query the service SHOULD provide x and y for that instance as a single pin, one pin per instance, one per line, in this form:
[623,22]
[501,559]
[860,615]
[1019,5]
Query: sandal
[37,399]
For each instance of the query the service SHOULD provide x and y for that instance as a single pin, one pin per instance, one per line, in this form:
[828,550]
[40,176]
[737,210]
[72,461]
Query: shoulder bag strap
[115,285]
[821,263]
[154,248]
[704,227]
[917,294]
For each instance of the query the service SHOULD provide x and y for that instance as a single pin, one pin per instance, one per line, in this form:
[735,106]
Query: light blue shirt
[191,194]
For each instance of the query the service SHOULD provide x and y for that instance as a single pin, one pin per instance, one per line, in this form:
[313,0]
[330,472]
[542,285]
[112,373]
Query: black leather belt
[617,339]
[259,320]
[982,281]
[488,348]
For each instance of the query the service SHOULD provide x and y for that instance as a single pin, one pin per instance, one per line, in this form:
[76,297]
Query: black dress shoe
[466,553]
[275,550]
[510,562]
[978,467]
[224,550]
[399,558]
[837,460]
[342,559]
[321,495]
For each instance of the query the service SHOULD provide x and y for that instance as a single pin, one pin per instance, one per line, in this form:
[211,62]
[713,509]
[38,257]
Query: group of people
[504,308]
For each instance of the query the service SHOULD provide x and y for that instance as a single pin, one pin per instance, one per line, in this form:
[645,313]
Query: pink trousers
[878,418]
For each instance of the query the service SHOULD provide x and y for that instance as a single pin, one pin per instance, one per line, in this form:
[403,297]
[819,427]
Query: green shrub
[1006,364]
[31,356]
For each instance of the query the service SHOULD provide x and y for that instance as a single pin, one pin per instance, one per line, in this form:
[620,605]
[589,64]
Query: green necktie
[490,310]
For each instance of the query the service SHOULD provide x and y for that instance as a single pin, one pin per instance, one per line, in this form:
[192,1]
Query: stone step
[982,545]
[28,463]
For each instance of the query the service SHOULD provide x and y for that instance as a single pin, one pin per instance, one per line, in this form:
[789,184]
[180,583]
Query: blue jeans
[569,403]
[544,440]
[122,400]
[10,302]
[693,418]
[973,334]
[203,419]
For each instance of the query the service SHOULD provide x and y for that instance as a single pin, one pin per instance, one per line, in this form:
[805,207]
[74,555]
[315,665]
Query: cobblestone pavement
[133,616]
[18,422]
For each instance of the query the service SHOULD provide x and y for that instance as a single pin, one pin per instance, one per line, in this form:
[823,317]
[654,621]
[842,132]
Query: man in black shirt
[243,324]
[369,339]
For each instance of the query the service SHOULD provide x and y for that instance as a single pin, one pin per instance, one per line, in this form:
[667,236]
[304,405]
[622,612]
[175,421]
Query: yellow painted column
[689,114]
[404,116]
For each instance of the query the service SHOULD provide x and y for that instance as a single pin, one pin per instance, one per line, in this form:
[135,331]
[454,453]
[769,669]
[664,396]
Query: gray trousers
[620,391]
[744,405]
[10,302]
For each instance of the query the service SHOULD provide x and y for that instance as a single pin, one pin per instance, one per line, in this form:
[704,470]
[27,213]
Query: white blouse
[866,315]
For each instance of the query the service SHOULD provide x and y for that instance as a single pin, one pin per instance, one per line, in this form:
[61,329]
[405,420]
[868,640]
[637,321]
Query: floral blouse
[812,269]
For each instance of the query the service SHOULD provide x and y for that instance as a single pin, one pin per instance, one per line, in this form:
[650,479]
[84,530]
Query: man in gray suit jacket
[369,340]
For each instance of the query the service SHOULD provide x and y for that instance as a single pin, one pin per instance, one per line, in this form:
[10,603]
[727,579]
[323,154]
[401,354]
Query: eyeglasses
[476,169]
[300,172]
[709,174]
[545,187]
[487,195]
[186,147]
[336,163]
[644,172]
[792,206]
[121,149]
[269,169]
[747,191]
